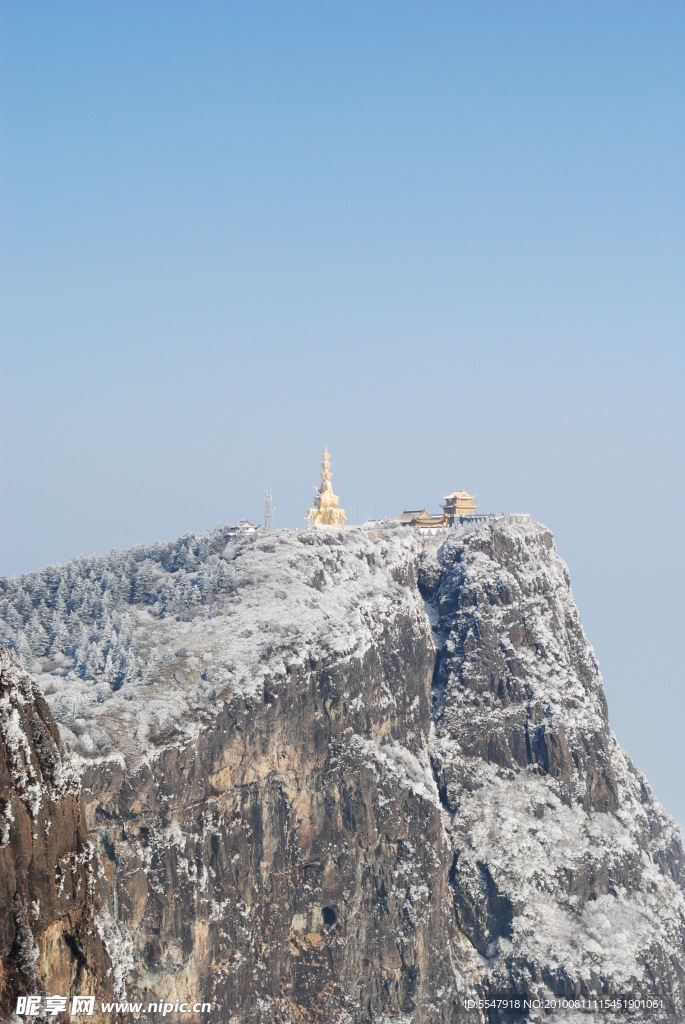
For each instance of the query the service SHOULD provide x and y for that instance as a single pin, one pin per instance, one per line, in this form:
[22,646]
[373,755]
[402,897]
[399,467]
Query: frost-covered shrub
[82,616]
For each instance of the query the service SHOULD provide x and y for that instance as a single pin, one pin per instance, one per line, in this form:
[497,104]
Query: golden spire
[325,511]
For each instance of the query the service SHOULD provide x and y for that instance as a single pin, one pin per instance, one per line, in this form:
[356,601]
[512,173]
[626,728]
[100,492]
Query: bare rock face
[567,875]
[49,943]
[291,862]
[355,777]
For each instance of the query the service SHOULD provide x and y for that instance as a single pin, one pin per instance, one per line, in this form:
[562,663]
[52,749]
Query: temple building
[243,527]
[458,504]
[326,511]
[422,519]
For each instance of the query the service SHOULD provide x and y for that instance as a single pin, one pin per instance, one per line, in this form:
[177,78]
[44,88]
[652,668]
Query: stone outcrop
[357,777]
[559,847]
[291,862]
[49,943]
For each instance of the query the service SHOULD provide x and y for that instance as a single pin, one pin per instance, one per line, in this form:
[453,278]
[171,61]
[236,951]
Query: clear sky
[446,239]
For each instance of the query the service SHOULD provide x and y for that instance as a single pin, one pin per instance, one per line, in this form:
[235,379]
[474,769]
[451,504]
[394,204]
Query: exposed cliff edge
[332,776]
[566,872]
[49,942]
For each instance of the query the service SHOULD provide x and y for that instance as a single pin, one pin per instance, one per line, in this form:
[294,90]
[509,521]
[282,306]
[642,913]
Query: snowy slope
[564,872]
[138,649]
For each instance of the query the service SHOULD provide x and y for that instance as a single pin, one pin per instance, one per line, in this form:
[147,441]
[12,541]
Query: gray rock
[356,777]
[49,944]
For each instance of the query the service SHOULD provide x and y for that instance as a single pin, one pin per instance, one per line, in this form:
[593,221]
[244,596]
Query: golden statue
[326,511]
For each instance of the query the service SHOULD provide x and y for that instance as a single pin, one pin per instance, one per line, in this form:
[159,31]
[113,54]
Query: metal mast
[268,512]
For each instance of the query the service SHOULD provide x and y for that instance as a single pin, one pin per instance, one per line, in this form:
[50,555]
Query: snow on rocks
[568,874]
[138,649]
[30,781]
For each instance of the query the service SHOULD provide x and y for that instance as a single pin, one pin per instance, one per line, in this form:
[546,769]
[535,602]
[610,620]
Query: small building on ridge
[243,527]
[457,505]
[422,519]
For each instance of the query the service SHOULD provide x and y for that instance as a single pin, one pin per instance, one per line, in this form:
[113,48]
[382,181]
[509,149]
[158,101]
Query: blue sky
[446,239]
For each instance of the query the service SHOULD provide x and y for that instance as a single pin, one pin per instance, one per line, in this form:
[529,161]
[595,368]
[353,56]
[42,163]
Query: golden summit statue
[326,511]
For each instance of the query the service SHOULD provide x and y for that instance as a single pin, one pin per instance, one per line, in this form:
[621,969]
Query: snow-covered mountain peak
[402,732]
[136,649]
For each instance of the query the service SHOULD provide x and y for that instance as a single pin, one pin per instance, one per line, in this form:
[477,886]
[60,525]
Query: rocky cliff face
[49,943]
[567,874]
[290,862]
[354,777]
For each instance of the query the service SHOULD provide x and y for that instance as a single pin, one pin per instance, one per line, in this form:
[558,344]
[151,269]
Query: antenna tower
[268,512]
